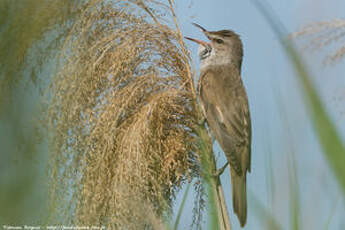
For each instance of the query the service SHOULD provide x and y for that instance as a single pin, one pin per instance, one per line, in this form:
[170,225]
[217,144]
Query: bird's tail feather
[239,196]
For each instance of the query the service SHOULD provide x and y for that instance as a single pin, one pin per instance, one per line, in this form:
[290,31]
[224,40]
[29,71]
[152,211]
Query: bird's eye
[219,41]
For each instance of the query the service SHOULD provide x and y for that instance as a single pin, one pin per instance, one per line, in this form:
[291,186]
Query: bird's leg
[202,121]
[221,170]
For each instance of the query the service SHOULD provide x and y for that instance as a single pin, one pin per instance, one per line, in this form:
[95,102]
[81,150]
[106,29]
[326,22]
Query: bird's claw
[221,170]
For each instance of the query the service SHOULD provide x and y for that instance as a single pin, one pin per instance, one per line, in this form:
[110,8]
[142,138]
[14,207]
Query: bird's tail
[239,196]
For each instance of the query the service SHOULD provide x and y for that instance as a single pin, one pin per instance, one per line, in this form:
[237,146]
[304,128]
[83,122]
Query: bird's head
[225,47]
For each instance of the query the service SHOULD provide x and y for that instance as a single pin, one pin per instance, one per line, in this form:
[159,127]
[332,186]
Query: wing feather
[227,112]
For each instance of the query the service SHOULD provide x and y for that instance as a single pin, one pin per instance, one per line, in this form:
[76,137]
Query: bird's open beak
[203,43]
[200,27]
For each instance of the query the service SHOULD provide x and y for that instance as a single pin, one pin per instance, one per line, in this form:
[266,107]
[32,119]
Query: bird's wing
[226,109]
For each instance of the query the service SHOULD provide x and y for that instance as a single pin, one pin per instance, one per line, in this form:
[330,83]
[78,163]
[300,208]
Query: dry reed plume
[123,117]
[325,34]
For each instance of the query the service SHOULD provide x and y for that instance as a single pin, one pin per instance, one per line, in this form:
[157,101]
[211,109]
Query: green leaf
[326,132]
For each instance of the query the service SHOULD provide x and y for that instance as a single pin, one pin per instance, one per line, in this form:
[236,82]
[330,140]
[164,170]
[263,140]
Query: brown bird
[225,105]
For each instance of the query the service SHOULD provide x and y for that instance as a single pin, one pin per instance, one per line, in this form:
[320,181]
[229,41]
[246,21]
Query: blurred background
[286,154]
[287,161]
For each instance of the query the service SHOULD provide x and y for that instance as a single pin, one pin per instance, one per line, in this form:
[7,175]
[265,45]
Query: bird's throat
[214,59]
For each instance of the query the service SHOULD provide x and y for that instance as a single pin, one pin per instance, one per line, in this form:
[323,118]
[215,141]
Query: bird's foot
[221,170]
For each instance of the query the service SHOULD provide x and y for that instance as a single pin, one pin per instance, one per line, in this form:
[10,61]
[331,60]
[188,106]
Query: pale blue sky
[280,122]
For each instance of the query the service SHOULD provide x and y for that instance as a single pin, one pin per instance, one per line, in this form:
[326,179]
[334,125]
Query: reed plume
[123,116]
[322,35]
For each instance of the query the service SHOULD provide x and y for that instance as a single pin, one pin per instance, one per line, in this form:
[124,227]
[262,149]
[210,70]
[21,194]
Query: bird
[225,106]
